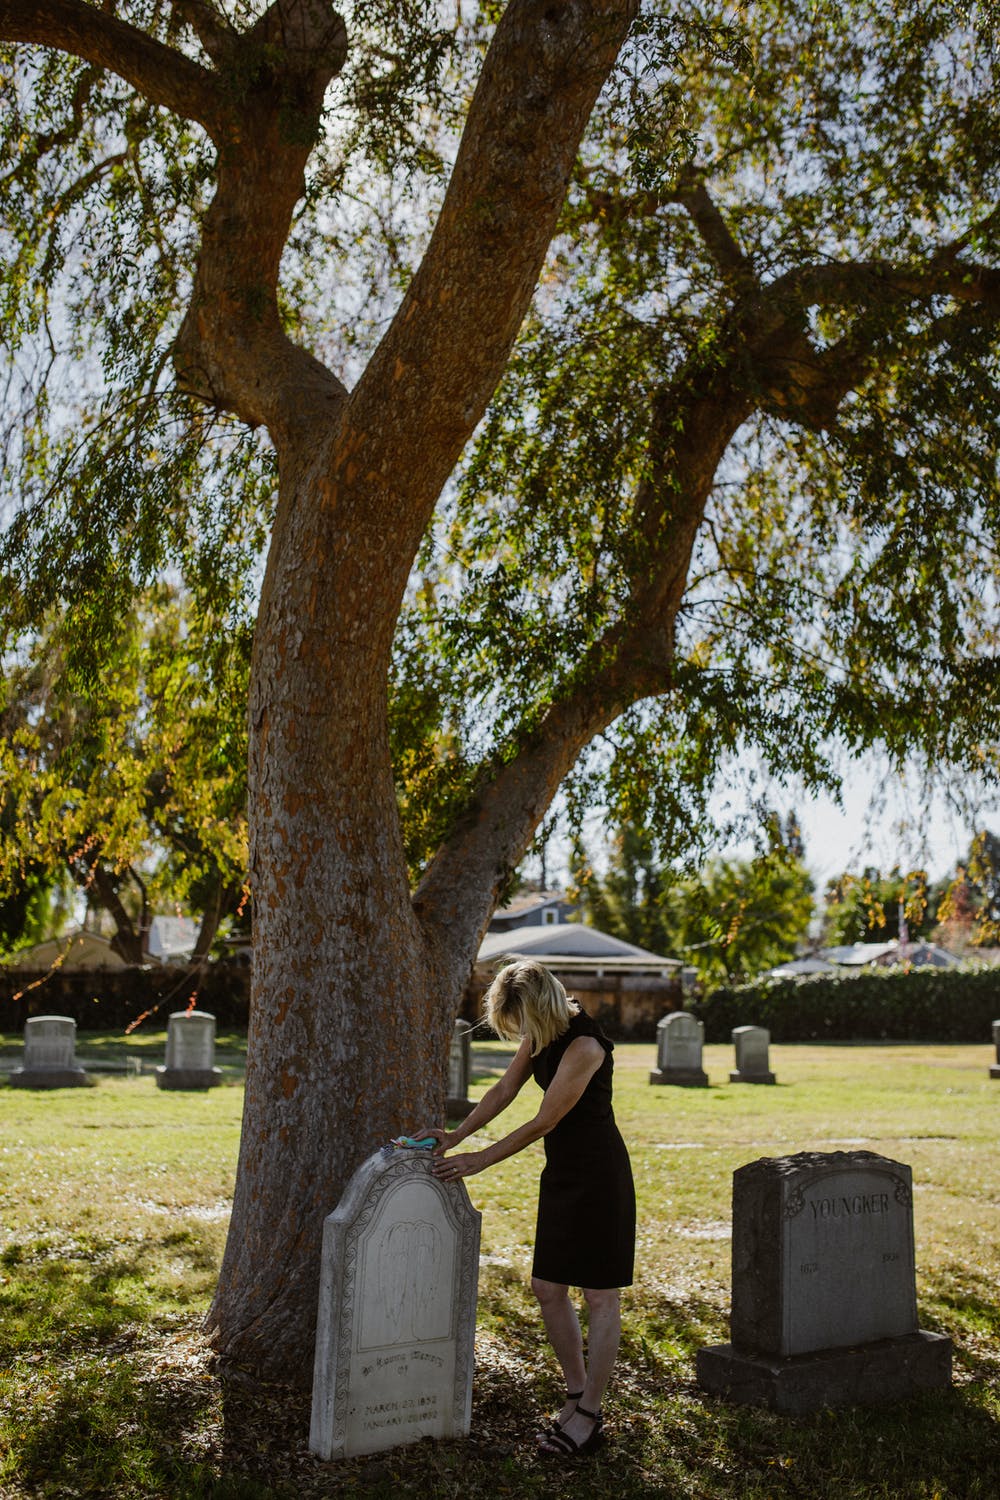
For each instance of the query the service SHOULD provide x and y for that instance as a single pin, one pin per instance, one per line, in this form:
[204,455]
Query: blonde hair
[525,1000]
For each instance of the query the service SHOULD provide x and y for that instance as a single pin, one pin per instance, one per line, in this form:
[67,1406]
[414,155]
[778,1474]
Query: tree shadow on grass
[146,1412]
[116,1420]
[52,1296]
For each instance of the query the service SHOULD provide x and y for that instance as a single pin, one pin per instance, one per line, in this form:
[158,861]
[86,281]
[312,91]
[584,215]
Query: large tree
[743,463]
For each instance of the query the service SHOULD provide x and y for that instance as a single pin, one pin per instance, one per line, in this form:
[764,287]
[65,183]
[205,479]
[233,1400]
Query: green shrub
[923,1005]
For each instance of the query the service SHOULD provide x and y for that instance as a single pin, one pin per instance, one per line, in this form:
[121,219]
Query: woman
[585,1234]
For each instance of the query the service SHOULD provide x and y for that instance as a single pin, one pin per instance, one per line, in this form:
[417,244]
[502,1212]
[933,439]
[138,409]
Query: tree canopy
[800,301]
[780,224]
[866,908]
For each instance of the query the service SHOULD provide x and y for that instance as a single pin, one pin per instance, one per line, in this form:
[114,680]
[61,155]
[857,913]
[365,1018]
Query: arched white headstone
[395,1331]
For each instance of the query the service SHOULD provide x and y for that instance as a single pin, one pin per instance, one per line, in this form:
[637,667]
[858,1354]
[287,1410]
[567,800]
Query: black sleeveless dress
[585,1234]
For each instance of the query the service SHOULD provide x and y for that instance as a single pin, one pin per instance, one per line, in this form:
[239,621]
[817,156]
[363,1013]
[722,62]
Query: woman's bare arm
[493,1102]
[580,1062]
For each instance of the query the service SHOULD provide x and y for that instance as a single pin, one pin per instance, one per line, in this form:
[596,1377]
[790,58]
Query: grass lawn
[115,1202]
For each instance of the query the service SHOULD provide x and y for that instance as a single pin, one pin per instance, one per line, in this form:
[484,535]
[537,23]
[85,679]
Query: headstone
[995,1069]
[751,1043]
[396,1327]
[190,1052]
[679,1040]
[49,1055]
[458,1104]
[824,1309]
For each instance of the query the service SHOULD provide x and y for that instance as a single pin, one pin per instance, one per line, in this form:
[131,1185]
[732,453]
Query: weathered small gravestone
[396,1327]
[190,1060]
[751,1043]
[458,1104]
[49,1055]
[824,1309]
[679,1041]
[995,1069]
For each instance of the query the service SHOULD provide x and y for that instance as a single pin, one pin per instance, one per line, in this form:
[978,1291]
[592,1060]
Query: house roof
[797,966]
[528,901]
[571,944]
[856,954]
[83,950]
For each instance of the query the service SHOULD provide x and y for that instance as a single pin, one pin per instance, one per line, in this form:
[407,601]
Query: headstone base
[457,1109]
[866,1375]
[752,1078]
[188,1078]
[995,1071]
[49,1078]
[686,1078]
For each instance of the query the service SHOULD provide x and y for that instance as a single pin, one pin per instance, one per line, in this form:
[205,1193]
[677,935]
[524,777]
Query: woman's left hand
[465,1164]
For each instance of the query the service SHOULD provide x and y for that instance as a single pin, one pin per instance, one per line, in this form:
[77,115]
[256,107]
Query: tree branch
[446,348]
[165,76]
[718,238]
[210,27]
[692,425]
[808,384]
[691,194]
[231,350]
[845,284]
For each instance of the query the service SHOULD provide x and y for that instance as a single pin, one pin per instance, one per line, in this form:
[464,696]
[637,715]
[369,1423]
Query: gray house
[625,987]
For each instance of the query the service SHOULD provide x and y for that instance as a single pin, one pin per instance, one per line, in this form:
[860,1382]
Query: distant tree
[730,919]
[865,908]
[135,790]
[740,917]
[984,873]
[968,911]
[631,900]
[26,910]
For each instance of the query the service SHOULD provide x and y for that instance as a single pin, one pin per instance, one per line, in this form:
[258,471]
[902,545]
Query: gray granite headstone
[679,1042]
[396,1325]
[458,1104]
[751,1043]
[49,1055]
[190,1058]
[824,1307]
[995,1069]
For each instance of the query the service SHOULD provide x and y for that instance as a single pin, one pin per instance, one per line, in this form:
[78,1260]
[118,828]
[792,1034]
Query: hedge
[925,1005]
[109,999]
[922,1005]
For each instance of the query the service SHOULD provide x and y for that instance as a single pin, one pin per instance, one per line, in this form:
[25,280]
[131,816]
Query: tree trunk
[352,1004]
[127,942]
[211,916]
[355,988]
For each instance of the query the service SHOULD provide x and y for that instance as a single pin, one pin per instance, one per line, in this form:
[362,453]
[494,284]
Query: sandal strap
[561,1441]
[593,1416]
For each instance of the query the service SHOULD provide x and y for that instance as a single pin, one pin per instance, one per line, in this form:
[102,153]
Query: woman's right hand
[443,1138]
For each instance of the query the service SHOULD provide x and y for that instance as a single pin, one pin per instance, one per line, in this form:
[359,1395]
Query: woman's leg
[604,1332]
[563,1328]
[603,1337]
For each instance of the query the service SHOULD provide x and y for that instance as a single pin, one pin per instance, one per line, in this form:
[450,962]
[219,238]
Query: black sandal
[563,1446]
[553,1426]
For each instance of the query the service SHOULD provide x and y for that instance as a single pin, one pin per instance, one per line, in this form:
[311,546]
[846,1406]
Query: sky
[885,821]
